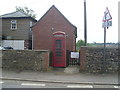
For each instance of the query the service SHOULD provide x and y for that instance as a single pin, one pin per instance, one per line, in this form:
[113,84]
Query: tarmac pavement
[57,76]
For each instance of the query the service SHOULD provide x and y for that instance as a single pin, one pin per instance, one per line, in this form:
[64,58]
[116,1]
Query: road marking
[116,86]
[79,86]
[1,82]
[33,84]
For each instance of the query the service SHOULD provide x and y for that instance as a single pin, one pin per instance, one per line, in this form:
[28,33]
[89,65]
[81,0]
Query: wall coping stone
[28,50]
[98,47]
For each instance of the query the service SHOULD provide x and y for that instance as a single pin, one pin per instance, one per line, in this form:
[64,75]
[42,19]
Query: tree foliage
[79,44]
[82,43]
[27,11]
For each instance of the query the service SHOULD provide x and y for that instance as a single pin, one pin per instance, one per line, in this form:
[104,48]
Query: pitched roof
[53,6]
[16,14]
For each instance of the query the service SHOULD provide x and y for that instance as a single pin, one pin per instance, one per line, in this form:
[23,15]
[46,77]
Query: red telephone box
[59,49]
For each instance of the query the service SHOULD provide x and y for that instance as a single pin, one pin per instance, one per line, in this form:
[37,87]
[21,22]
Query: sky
[73,10]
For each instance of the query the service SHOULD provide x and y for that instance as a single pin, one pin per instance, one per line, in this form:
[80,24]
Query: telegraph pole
[85,23]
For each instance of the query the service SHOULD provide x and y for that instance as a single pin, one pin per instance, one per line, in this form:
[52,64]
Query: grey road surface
[26,84]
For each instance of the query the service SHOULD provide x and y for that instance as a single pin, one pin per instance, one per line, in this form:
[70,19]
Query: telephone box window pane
[58,35]
[58,43]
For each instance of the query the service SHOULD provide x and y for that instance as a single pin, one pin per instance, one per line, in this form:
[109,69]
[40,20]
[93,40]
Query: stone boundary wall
[92,60]
[25,60]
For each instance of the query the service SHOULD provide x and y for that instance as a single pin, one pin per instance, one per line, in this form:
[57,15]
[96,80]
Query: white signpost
[107,22]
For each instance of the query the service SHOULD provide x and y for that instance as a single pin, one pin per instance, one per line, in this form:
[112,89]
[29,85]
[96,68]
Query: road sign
[74,54]
[107,19]
[107,22]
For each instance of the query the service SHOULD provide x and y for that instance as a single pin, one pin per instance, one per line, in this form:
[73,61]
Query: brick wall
[43,30]
[25,60]
[92,60]
[82,57]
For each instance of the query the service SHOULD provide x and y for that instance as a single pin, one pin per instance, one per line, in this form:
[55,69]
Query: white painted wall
[15,44]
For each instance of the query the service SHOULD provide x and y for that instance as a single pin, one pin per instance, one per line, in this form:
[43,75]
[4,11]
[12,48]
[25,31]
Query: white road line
[33,84]
[116,87]
[79,86]
[1,82]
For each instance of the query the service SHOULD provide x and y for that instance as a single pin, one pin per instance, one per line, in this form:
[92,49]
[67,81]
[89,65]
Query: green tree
[79,44]
[27,11]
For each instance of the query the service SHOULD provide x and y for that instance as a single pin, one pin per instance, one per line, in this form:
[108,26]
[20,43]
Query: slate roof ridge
[15,12]
[7,13]
[24,13]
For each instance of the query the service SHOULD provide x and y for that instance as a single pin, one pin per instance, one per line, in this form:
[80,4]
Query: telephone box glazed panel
[59,49]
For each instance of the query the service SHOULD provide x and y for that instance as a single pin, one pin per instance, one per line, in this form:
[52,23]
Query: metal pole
[104,59]
[104,48]
[85,23]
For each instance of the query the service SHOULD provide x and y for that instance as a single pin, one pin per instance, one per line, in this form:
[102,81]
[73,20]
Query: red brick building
[52,21]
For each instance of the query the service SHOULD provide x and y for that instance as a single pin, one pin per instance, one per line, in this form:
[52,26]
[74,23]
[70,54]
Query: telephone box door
[59,49]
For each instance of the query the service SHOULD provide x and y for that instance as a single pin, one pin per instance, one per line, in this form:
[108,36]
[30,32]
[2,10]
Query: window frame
[13,24]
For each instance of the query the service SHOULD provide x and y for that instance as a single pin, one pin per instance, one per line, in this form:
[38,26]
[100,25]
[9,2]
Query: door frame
[59,36]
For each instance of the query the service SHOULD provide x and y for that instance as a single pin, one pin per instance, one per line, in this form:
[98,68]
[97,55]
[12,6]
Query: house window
[30,23]
[13,24]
